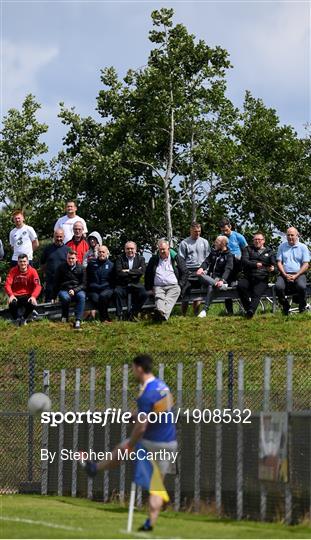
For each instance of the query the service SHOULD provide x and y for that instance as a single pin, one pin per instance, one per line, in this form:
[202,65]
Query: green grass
[215,333]
[81,518]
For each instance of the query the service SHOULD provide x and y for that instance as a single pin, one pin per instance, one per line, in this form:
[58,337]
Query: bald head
[292,236]
[221,242]
[59,237]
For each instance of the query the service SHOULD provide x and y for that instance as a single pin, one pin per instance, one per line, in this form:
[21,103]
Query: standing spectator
[67,222]
[166,277]
[129,268]
[215,270]
[78,243]
[23,238]
[94,241]
[236,242]
[1,251]
[293,262]
[258,262]
[23,287]
[193,250]
[53,255]
[100,276]
[69,286]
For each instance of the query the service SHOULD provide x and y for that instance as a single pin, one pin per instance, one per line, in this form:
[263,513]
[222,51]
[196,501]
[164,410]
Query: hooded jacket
[218,264]
[179,267]
[91,254]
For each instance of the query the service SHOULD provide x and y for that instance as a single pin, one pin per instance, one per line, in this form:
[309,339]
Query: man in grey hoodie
[94,240]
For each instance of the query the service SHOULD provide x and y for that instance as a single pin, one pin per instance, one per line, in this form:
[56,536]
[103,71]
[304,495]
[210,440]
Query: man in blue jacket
[100,274]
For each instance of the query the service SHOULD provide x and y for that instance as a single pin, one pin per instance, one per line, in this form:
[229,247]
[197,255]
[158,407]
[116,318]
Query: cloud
[21,66]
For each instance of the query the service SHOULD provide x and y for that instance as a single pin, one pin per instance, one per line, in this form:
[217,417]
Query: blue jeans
[78,298]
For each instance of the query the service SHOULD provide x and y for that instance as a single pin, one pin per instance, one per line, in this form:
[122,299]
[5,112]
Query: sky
[55,50]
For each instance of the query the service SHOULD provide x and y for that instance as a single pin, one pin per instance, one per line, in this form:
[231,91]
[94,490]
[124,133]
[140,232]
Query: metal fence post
[91,427]
[239,477]
[266,406]
[107,431]
[75,433]
[197,441]
[61,434]
[230,379]
[218,428]
[45,438]
[31,387]
[289,408]
[179,431]
[123,430]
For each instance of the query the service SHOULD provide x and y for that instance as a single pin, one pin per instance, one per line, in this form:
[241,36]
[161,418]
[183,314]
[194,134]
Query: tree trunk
[167,178]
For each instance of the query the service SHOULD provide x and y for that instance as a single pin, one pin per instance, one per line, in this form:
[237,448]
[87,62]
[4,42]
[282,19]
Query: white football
[39,403]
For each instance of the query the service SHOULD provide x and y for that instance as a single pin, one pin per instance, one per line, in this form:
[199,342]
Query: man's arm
[140,271]
[35,244]
[82,281]
[303,269]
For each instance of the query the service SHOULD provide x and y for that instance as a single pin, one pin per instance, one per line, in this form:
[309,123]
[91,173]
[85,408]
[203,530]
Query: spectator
[94,241]
[215,270]
[1,251]
[193,250]
[69,286]
[166,278]
[67,222]
[258,262]
[236,242]
[293,262]
[78,243]
[53,255]
[129,268]
[23,238]
[100,275]
[23,287]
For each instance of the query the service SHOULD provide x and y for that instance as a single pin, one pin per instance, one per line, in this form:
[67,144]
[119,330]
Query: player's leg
[155,505]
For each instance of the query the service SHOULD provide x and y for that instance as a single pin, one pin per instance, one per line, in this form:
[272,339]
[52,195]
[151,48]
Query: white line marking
[44,523]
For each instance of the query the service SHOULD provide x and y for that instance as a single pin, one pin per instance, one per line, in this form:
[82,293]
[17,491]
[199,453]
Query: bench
[53,311]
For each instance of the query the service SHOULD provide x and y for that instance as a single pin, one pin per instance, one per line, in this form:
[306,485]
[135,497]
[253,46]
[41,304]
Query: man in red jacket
[23,287]
[78,243]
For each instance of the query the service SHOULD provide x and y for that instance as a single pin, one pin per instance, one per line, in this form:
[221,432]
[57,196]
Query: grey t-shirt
[194,251]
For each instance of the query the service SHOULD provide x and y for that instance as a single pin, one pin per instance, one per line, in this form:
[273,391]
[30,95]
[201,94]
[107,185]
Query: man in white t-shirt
[67,222]
[23,238]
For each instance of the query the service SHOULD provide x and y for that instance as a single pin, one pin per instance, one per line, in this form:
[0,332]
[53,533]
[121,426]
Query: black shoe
[286,307]
[249,314]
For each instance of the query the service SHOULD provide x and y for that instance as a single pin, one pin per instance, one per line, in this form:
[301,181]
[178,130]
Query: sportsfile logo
[117,416]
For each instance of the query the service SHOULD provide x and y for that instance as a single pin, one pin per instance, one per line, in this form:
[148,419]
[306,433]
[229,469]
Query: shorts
[165,465]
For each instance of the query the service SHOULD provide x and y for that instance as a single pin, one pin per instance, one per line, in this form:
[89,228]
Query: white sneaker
[202,314]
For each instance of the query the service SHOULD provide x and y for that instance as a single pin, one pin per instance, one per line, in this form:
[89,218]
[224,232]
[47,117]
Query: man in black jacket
[166,277]
[258,263]
[129,268]
[69,286]
[215,270]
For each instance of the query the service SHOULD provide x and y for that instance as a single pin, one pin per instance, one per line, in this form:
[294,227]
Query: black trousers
[237,267]
[23,304]
[101,302]
[139,296]
[250,291]
[297,287]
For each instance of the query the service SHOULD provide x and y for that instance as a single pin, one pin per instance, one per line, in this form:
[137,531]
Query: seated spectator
[69,286]
[1,251]
[215,270]
[166,277]
[53,255]
[258,262]
[78,243]
[67,222]
[293,262]
[23,287]
[129,268]
[236,242]
[94,241]
[193,250]
[23,238]
[100,276]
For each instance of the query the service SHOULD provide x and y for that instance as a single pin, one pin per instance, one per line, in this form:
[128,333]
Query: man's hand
[271,268]
[125,270]
[291,277]
[32,300]
[12,298]
[71,292]
[199,272]
[259,265]
[219,283]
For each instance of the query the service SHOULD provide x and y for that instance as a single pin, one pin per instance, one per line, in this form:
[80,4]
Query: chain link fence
[217,463]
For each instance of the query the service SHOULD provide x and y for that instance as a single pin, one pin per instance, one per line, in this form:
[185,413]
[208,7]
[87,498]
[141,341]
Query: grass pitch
[33,516]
